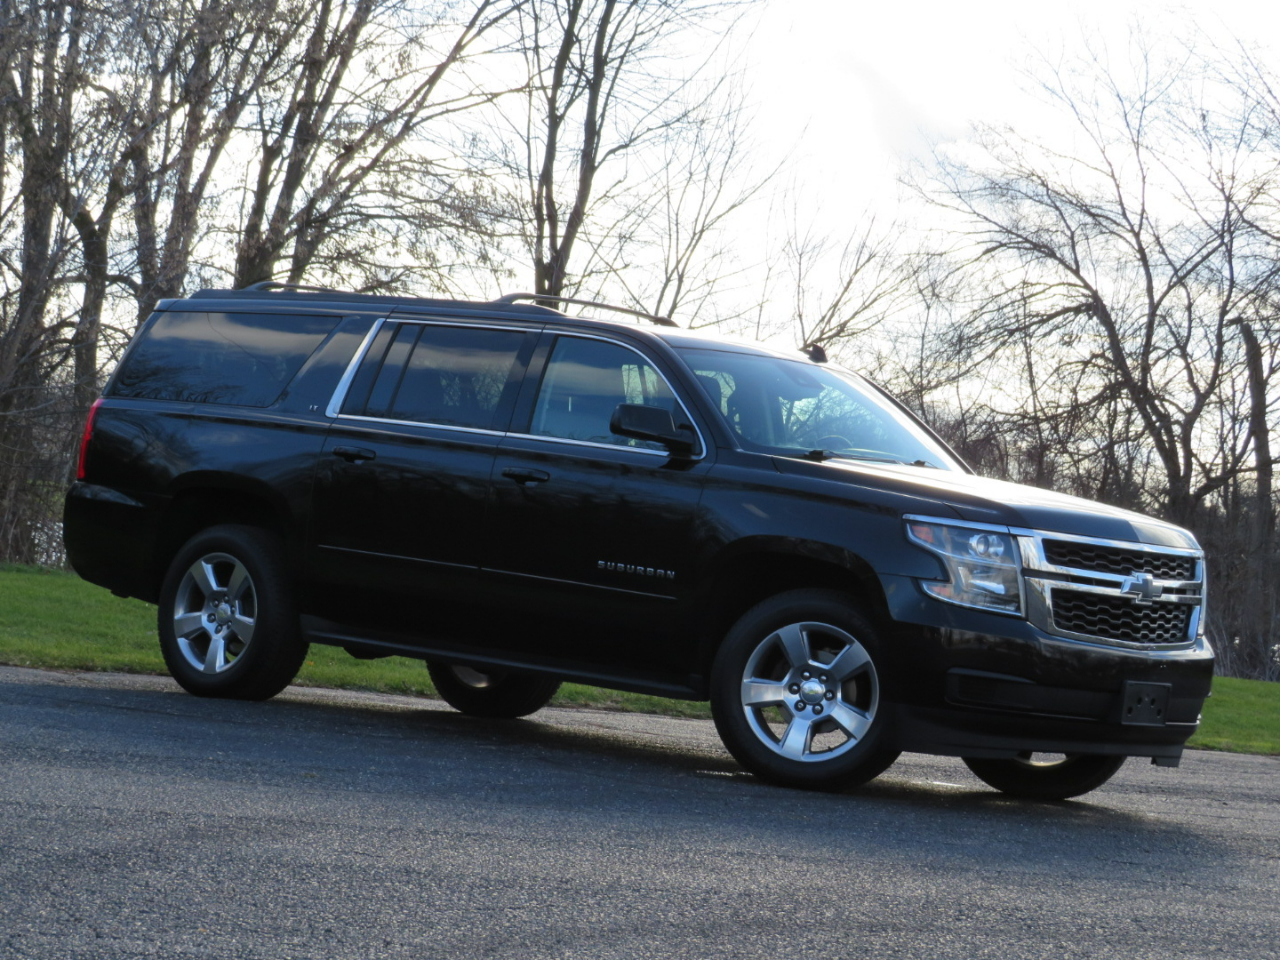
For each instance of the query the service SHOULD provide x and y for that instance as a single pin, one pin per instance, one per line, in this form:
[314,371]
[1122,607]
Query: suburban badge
[636,569]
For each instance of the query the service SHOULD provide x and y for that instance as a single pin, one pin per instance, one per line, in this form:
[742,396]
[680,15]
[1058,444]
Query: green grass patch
[53,619]
[1242,716]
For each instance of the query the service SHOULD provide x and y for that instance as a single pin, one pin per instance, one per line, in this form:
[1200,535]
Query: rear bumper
[109,539]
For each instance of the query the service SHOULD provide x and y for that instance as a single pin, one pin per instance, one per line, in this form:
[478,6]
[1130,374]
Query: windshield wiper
[820,455]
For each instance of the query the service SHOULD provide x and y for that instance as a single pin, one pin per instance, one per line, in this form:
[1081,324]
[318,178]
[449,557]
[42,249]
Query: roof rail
[516,297]
[262,285]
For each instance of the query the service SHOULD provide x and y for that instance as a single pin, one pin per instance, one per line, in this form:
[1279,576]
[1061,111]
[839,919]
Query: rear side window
[438,373]
[234,358]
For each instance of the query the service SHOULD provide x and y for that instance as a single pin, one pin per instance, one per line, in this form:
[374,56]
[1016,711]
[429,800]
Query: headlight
[982,565]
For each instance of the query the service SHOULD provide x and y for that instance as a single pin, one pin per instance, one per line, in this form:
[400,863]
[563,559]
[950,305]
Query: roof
[299,298]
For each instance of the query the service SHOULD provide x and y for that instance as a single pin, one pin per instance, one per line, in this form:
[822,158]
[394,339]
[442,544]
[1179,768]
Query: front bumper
[969,683]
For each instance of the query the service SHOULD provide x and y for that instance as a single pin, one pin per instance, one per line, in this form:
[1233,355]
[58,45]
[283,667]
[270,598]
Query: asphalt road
[138,821]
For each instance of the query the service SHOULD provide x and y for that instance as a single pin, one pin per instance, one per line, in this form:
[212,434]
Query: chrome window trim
[419,423]
[558,332]
[1040,578]
[344,383]
[596,444]
[333,410]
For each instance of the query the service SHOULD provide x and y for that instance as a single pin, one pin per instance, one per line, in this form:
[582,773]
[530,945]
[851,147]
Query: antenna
[815,352]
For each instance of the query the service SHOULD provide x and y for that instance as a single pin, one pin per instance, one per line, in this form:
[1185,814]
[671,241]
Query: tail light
[84,440]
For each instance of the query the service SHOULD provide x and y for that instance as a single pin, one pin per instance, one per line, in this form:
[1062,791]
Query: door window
[585,381]
[435,373]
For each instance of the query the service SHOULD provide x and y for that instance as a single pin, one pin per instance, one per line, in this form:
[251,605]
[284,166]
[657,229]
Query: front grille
[1119,618]
[1118,560]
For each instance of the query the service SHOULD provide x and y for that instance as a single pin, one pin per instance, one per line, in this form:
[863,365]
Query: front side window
[585,381]
[788,407]
[435,373]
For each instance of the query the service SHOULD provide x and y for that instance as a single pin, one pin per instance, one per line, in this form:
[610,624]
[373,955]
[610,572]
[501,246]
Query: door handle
[354,454]
[525,475]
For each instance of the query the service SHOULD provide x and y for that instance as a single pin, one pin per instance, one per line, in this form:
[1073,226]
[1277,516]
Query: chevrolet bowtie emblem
[1142,587]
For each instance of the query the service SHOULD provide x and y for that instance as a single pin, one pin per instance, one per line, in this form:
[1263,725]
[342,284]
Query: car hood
[982,500]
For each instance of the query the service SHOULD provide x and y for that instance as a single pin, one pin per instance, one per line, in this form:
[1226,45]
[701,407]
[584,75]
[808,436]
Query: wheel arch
[774,565]
[208,500]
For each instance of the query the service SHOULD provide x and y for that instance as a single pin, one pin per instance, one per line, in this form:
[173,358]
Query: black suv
[520,497]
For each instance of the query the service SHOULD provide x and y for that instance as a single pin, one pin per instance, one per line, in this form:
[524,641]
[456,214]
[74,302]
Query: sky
[850,91]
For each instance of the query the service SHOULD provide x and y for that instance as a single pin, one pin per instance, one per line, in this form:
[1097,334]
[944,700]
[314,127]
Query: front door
[589,527]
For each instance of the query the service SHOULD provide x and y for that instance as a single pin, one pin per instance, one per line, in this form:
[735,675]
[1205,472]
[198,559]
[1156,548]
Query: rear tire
[227,621]
[499,694]
[795,693]
[1060,779]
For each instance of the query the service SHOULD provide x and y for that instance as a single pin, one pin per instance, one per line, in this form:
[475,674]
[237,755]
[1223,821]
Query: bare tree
[1124,280]
[202,63]
[41,55]
[838,298]
[1117,260]
[610,100]
[46,50]
[334,130]
[672,252]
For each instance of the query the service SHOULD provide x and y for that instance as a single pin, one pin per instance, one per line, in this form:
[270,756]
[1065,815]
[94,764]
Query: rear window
[242,359]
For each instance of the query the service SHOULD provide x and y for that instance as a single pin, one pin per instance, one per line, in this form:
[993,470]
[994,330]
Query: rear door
[402,485]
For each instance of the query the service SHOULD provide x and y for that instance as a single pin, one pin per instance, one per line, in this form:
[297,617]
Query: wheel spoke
[238,583]
[243,626]
[215,659]
[851,720]
[851,659]
[184,625]
[795,645]
[202,573]
[795,740]
[762,693]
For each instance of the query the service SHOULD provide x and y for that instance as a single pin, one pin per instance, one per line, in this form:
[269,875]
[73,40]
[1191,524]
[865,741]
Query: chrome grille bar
[1120,593]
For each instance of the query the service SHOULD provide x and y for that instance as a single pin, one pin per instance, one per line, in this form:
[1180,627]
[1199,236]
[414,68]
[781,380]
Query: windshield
[791,408]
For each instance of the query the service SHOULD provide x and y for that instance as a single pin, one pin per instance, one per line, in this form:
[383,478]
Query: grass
[1242,716]
[53,619]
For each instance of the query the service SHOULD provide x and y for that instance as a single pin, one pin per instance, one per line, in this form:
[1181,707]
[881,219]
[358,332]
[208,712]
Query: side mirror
[652,423]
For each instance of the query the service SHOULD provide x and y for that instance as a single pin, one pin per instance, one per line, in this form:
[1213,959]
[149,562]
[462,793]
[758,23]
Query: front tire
[1058,779]
[227,621]
[505,695]
[795,693]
